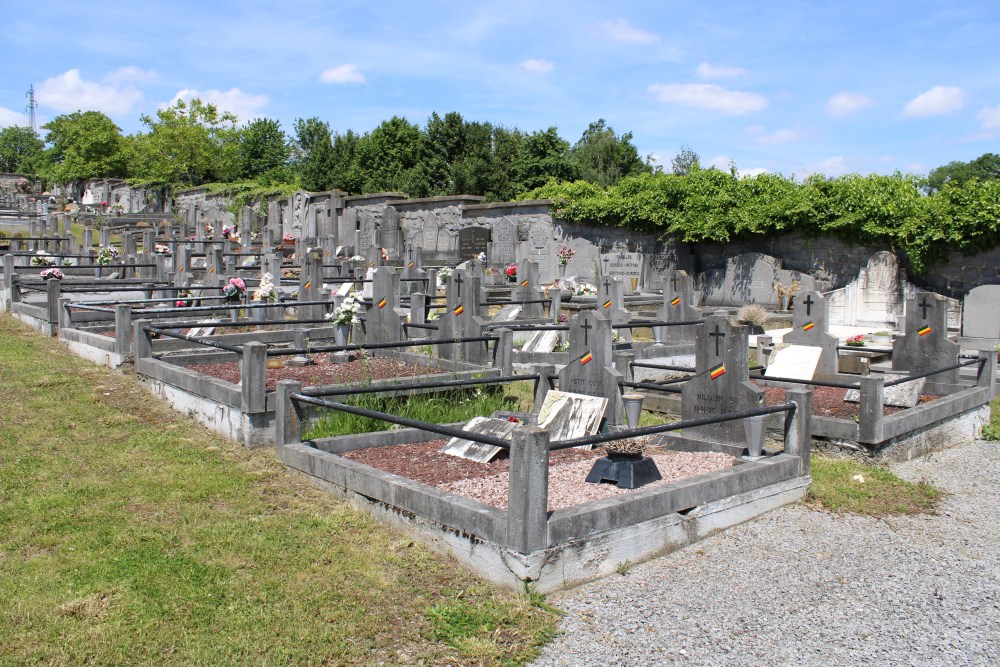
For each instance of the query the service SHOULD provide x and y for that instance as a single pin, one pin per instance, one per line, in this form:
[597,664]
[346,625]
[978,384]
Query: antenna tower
[32,105]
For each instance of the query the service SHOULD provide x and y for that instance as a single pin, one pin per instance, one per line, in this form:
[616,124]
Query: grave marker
[810,321]
[590,369]
[924,345]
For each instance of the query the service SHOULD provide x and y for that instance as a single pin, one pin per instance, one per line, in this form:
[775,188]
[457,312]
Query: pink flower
[238,283]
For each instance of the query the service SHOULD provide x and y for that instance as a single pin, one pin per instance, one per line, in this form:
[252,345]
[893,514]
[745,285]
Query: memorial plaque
[905,395]
[566,416]
[626,266]
[504,237]
[472,241]
[477,451]
[794,362]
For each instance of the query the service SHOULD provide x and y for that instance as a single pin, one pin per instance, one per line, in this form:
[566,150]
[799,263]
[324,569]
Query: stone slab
[795,362]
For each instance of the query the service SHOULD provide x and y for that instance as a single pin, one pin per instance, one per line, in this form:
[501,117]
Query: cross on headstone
[673,282]
[586,332]
[717,335]
[923,308]
[809,304]
[458,283]
[607,283]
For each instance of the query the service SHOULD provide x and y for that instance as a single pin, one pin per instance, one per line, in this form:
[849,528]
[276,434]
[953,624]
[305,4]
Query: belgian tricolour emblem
[308,285]
[808,326]
[459,310]
[524,284]
[586,359]
[607,304]
[718,372]
[381,304]
[676,301]
[924,331]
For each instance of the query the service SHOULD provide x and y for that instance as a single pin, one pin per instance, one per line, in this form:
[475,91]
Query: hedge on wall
[711,205]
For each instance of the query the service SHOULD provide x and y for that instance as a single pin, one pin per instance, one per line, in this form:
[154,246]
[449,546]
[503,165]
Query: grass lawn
[131,535]
[844,485]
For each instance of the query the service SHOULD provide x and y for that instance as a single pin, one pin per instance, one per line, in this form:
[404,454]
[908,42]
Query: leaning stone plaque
[794,362]
[478,451]
[905,395]
[566,415]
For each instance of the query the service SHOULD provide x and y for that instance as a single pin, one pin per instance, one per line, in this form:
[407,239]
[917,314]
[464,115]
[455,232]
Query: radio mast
[32,105]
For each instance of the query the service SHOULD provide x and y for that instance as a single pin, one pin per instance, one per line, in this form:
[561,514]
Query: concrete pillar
[142,344]
[872,399]
[798,426]
[988,376]
[546,372]
[556,304]
[253,378]
[65,320]
[288,416]
[528,494]
[123,329]
[52,286]
[504,357]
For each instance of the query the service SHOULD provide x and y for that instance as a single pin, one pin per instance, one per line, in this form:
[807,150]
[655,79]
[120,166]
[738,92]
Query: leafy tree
[389,156]
[263,149]
[83,145]
[604,157]
[985,167]
[345,173]
[445,147]
[547,157]
[19,149]
[685,162]
[188,144]
[313,154]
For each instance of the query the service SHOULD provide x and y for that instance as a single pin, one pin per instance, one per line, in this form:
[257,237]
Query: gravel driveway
[804,587]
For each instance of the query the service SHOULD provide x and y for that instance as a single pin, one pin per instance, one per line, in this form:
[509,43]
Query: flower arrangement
[585,289]
[209,230]
[266,291]
[42,258]
[444,274]
[511,271]
[118,207]
[288,239]
[234,289]
[161,249]
[357,258]
[752,313]
[231,232]
[51,273]
[347,312]
[481,257]
[565,254]
[563,318]
[68,262]
[856,341]
[182,298]
[385,254]
[106,254]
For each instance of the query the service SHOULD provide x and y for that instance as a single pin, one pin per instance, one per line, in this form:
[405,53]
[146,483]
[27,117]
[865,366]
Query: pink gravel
[568,488]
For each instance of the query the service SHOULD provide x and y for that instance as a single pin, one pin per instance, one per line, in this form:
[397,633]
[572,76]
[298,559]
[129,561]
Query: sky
[795,87]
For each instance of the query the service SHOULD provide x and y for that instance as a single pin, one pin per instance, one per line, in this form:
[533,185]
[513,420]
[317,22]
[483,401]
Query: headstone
[584,263]
[981,317]
[611,303]
[924,345]
[750,278]
[542,341]
[626,266]
[880,292]
[501,250]
[477,451]
[472,241]
[527,290]
[368,227]
[508,313]
[388,234]
[384,321]
[590,369]
[678,306]
[809,327]
[794,362]
[721,383]
[567,416]
[905,395]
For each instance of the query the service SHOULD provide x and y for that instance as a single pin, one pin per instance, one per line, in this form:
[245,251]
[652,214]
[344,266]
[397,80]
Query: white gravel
[799,586]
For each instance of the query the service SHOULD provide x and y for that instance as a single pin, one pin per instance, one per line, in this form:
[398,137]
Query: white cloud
[831,166]
[782,136]
[720,162]
[752,171]
[990,117]
[936,101]
[9,118]
[708,96]
[844,103]
[537,66]
[130,74]
[707,71]
[346,73]
[621,31]
[69,92]
[246,106]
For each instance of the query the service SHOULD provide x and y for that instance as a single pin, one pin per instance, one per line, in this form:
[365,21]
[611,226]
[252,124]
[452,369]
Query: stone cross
[721,382]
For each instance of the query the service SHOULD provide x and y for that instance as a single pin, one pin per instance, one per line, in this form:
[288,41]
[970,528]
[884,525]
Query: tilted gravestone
[924,345]
[590,370]
[809,327]
[678,306]
[611,303]
[385,318]
[721,382]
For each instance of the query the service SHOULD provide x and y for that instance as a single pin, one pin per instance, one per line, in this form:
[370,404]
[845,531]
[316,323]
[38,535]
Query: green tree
[985,167]
[546,157]
[313,154]
[345,174]
[685,161]
[263,150]
[188,144]
[604,157]
[83,145]
[20,148]
[389,158]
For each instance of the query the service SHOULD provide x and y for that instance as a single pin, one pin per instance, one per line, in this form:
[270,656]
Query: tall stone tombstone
[472,241]
[347,224]
[500,251]
[880,296]
[591,369]
[527,290]
[368,226]
[450,323]
[414,278]
[678,306]
[388,233]
[311,286]
[611,303]
[810,322]
[721,382]
[981,312]
[385,318]
[924,345]
[626,266]
[469,320]
[373,255]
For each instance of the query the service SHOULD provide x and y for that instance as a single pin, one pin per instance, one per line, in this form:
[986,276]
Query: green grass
[837,486]
[442,408]
[991,431]
[131,535]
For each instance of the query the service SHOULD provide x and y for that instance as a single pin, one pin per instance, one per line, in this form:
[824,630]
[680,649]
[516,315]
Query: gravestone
[905,395]
[590,370]
[501,250]
[542,341]
[678,306]
[794,362]
[626,266]
[809,327]
[750,278]
[429,240]
[611,303]
[527,290]
[384,322]
[472,241]
[478,451]
[880,296]
[413,279]
[584,264]
[982,312]
[721,383]
[924,345]
[508,313]
[388,232]
[642,374]
[367,229]
[567,416]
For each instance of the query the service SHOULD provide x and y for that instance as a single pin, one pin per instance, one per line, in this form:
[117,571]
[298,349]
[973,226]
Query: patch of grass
[131,535]
[837,486]
[991,431]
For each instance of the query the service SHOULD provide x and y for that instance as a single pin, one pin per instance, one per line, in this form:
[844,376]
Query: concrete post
[8,271]
[504,357]
[142,344]
[64,315]
[546,372]
[872,399]
[555,306]
[528,494]
[288,416]
[253,378]
[52,302]
[123,330]
[622,363]
[798,426]
[988,376]
[418,312]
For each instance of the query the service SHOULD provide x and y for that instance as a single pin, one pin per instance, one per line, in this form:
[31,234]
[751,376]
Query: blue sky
[795,87]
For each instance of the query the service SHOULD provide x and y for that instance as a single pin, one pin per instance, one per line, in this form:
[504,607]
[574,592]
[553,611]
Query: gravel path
[803,587]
